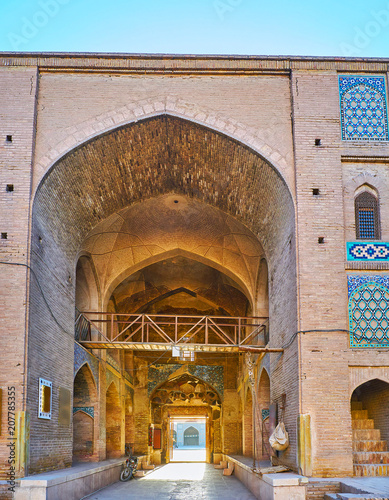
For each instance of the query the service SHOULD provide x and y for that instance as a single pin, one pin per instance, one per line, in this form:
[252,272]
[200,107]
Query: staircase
[370,454]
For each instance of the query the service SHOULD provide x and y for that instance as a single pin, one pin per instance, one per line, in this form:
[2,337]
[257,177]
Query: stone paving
[178,481]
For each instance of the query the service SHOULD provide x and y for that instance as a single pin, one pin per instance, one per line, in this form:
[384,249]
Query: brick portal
[199,186]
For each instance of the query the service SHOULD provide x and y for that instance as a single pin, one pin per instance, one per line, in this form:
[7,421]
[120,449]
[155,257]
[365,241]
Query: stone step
[370,446]
[365,423]
[371,470]
[330,496]
[359,414]
[229,470]
[366,434]
[223,465]
[357,496]
[356,405]
[371,457]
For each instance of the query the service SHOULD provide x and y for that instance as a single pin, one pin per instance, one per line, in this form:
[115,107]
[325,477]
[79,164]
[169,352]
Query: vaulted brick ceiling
[92,184]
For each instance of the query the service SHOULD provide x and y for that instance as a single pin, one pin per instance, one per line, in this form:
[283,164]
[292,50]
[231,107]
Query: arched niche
[191,436]
[263,449]
[87,288]
[84,404]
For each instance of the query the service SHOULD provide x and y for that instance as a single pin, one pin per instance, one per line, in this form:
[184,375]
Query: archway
[181,170]
[84,404]
[370,424]
[187,409]
[191,436]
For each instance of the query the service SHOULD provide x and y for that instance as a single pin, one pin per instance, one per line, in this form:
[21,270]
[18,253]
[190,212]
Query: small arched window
[367,217]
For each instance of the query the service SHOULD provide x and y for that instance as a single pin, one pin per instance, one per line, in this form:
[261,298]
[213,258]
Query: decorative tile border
[368,309]
[363,108]
[82,356]
[265,413]
[89,410]
[355,281]
[367,252]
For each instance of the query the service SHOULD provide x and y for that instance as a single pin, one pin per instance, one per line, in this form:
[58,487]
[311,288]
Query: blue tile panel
[213,375]
[82,356]
[368,308]
[363,108]
[368,251]
[89,410]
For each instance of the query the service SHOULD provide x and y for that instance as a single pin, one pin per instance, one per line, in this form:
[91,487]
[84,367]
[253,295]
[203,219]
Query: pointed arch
[367,214]
[85,386]
[85,401]
[87,284]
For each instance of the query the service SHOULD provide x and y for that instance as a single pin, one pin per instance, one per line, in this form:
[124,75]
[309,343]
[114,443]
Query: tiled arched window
[363,108]
[367,223]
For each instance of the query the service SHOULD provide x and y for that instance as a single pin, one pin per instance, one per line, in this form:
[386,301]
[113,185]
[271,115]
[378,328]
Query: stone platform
[284,486]
[70,484]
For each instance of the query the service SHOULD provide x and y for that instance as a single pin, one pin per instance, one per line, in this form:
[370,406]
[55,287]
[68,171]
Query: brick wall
[279,117]
[316,490]
[17,94]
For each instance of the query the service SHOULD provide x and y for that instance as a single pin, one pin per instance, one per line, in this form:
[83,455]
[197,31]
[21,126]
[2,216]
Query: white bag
[279,440]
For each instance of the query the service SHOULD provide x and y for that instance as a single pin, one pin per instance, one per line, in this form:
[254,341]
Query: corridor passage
[178,481]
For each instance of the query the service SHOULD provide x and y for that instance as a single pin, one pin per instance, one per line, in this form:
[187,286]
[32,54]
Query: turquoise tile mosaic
[89,410]
[368,251]
[213,375]
[368,308]
[82,356]
[265,413]
[363,108]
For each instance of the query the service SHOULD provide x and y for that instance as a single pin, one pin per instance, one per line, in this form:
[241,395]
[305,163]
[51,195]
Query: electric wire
[288,344]
[41,291]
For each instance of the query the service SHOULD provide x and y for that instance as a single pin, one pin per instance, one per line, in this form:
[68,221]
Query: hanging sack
[279,440]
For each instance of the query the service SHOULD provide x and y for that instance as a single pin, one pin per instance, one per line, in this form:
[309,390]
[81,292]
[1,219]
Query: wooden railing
[109,328]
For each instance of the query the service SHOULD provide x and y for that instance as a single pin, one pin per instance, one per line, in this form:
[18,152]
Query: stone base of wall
[283,486]
[72,484]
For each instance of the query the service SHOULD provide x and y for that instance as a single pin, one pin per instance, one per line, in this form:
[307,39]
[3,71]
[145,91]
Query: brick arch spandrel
[134,112]
[361,375]
[377,183]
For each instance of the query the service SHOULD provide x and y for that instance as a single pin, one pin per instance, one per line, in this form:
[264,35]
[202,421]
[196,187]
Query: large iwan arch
[166,184]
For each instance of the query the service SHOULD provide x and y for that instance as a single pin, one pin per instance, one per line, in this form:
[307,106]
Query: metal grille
[366,217]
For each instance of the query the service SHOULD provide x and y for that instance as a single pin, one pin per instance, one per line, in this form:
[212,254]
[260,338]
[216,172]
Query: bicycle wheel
[126,474]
